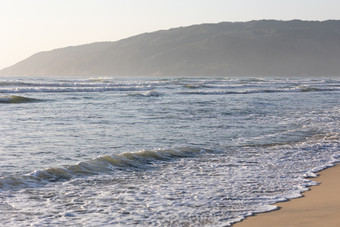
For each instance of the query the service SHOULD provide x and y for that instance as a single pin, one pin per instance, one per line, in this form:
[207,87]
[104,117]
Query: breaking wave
[103,164]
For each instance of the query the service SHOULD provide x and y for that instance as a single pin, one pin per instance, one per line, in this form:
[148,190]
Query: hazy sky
[30,26]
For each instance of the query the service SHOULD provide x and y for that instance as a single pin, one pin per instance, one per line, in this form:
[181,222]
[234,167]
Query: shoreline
[319,206]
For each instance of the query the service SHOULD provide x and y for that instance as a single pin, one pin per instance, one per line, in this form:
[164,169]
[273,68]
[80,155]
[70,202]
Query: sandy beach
[319,206]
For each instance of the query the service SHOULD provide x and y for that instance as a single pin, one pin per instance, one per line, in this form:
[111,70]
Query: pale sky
[31,26]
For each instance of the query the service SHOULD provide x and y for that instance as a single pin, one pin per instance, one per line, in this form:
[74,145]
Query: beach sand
[319,206]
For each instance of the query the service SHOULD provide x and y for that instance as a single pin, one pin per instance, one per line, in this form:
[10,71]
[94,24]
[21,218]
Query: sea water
[160,152]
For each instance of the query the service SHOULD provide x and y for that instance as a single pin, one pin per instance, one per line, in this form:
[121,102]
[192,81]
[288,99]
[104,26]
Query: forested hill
[255,48]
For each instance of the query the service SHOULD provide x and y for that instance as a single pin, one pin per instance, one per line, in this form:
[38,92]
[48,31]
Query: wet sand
[319,206]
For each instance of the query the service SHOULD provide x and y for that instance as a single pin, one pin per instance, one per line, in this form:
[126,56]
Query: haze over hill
[255,48]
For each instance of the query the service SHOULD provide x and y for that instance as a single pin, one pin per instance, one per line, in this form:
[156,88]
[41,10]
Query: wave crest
[16,99]
[100,165]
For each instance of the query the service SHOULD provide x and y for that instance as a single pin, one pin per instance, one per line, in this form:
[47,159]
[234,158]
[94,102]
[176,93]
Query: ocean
[160,151]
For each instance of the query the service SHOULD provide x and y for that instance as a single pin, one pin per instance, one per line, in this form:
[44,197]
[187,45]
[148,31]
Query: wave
[92,82]
[147,88]
[103,164]
[255,91]
[310,89]
[71,89]
[17,99]
[151,93]
[90,85]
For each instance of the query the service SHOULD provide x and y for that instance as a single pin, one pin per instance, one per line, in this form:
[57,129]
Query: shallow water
[160,152]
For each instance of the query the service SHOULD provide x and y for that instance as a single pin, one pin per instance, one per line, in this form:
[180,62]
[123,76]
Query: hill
[265,48]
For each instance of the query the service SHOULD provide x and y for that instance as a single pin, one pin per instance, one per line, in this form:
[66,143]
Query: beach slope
[318,207]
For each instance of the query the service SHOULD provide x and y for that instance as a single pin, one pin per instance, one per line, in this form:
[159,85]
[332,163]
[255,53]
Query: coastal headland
[255,48]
